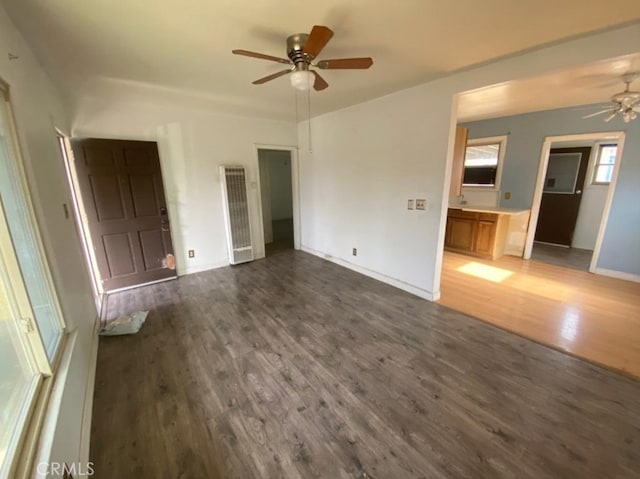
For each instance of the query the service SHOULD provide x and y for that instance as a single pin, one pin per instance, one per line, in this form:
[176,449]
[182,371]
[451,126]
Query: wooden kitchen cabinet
[485,237]
[476,233]
[461,232]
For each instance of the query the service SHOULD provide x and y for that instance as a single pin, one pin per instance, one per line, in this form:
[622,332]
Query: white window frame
[24,442]
[502,141]
[596,164]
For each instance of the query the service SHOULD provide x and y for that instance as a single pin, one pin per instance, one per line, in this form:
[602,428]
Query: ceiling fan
[302,49]
[625,103]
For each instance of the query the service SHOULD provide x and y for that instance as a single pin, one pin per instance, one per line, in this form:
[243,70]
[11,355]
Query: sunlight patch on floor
[483,271]
[570,324]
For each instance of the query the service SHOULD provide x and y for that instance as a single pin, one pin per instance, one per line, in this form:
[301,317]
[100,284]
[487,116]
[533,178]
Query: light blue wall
[621,246]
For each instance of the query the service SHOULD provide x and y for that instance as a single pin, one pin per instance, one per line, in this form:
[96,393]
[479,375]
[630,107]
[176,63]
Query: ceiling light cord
[295,97]
[309,117]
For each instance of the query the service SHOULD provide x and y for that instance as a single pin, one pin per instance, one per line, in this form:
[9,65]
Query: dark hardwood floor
[296,367]
[573,258]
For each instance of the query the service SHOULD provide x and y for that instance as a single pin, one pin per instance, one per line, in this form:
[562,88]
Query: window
[605,162]
[31,326]
[483,162]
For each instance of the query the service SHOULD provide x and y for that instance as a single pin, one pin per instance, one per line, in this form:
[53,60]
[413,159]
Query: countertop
[489,209]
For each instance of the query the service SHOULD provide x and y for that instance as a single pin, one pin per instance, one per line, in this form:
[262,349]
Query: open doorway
[573,194]
[276,196]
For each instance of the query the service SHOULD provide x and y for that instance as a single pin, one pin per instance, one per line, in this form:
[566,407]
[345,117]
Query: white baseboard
[618,274]
[87,412]
[409,288]
[204,267]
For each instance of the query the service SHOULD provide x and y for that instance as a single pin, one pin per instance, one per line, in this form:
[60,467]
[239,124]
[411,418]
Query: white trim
[87,410]
[54,405]
[409,288]
[295,191]
[127,288]
[617,136]
[79,212]
[502,139]
[206,267]
[618,274]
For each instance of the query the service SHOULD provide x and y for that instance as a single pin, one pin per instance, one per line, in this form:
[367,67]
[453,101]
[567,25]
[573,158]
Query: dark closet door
[121,187]
[561,195]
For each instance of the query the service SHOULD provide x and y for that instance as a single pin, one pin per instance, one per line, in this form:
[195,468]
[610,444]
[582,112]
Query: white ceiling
[185,45]
[584,85]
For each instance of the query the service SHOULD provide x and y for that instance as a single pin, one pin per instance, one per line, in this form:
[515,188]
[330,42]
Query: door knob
[163,210]
[578,192]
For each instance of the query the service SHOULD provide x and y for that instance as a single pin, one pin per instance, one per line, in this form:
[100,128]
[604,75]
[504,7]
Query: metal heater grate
[237,214]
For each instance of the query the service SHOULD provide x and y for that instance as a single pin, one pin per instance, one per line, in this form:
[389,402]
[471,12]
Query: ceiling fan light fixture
[301,79]
[628,115]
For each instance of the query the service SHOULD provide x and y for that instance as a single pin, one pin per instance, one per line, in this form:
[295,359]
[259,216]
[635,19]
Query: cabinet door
[462,233]
[484,239]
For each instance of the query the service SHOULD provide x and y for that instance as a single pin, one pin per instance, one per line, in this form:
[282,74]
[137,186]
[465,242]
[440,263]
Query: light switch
[507,195]
[421,204]
[410,204]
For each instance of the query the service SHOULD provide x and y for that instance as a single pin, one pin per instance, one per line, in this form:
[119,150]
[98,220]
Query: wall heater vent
[236,213]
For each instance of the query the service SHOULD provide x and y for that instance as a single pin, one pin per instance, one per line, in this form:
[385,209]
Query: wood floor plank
[295,367]
[591,316]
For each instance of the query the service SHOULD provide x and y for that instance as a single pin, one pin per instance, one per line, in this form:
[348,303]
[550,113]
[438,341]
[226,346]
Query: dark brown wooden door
[561,195]
[121,187]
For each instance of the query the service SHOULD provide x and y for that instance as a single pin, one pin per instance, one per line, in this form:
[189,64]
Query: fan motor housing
[295,45]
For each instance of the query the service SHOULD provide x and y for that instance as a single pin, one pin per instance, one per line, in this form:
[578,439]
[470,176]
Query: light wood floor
[293,367]
[591,316]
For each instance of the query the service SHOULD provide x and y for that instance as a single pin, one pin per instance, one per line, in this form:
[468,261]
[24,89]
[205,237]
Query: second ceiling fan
[302,49]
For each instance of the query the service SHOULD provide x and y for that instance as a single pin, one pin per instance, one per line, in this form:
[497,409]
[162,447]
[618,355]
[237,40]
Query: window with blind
[31,325]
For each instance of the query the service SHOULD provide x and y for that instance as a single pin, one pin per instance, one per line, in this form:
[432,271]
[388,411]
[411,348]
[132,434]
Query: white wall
[265,196]
[475,196]
[280,185]
[193,143]
[591,207]
[37,110]
[368,159]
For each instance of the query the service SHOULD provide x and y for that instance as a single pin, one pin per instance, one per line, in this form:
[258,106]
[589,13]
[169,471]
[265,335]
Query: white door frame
[295,187]
[618,137]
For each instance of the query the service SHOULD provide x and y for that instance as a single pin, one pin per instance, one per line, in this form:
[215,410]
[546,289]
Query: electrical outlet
[507,195]
[421,204]
[191,253]
[410,204]
[354,251]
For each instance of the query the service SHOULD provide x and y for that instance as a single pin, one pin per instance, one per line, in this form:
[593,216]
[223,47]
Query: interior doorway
[277,199]
[572,198]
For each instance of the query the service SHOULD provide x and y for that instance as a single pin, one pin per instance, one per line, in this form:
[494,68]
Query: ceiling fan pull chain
[309,116]
[295,97]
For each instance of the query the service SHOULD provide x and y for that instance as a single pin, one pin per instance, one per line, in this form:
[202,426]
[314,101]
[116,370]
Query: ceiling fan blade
[599,113]
[317,40]
[346,63]
[271,77]
[319,83]
[612,116]
[262,56]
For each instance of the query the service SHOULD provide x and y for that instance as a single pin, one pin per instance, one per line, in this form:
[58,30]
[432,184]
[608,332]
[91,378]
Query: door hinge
[27,325]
